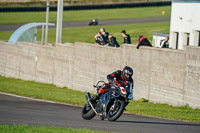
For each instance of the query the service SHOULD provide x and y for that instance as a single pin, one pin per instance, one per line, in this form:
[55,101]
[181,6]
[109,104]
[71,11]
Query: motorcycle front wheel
[87,112]
[116,110]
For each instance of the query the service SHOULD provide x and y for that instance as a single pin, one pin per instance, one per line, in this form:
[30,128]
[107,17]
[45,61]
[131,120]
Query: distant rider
[120,78]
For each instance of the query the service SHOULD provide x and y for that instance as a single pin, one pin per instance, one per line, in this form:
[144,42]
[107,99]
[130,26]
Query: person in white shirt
[165,42]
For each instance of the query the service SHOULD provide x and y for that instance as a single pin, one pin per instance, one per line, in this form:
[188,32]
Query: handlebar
[101,81]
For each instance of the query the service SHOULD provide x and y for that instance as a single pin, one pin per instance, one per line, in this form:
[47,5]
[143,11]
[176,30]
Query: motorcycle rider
[120,78]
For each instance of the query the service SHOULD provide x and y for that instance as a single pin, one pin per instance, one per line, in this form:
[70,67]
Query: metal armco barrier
[85,7]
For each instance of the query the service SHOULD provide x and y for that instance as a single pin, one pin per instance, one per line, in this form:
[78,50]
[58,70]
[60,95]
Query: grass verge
[40,129]
[86,34]
[65,95]
[81,15]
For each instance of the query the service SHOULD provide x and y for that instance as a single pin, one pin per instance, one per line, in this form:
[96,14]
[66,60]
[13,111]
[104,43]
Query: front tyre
[116,110]
[87,112]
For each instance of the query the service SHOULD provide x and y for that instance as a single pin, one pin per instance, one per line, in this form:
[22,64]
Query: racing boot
[95,97]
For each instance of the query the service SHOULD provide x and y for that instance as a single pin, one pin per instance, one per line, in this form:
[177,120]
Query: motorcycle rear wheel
[87,113]
[113,115]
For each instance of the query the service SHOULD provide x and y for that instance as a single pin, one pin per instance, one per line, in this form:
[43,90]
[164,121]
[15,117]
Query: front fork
[88,96]
[115,105]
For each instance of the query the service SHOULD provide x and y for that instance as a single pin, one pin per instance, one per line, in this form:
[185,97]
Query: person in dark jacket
[104,35]
[113,41]
[99,39]
[127,38]
[142,41]
[119,78]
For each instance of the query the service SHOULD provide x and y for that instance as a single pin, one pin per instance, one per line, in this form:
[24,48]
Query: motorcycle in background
[93,22]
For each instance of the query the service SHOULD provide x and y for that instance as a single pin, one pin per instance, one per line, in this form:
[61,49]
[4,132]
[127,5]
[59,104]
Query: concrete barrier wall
[3,58]
[167,76]
[28,65]
[63,65]
[192,77]
[160,75]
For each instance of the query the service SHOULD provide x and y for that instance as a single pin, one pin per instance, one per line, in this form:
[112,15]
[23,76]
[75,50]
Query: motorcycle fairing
[108,96]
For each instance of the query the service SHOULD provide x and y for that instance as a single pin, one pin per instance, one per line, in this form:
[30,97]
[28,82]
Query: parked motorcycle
[109,105]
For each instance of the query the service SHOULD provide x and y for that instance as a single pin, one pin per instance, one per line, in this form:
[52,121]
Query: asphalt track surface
[18,110]
[7,27]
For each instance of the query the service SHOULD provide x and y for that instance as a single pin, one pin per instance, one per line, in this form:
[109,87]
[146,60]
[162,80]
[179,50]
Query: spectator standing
[164,43]
[142,41]
[113,41]
[127,38]
[105,35]
[99,39]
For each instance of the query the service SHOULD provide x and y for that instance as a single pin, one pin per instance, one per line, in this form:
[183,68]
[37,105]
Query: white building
[185,23]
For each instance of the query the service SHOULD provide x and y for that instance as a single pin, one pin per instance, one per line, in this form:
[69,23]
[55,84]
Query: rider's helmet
[127,73]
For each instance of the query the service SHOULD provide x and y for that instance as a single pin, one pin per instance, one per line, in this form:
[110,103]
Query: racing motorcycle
[109,105]
[93,22]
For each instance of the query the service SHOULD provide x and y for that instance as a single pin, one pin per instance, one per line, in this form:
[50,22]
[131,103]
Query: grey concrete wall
[3,58]
[28,65]
[13,59]
[167,76]
[160,75]
[192,77]
[63,65]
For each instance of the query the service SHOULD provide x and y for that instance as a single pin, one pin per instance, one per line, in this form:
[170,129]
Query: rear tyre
[115,113]
[87,112]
